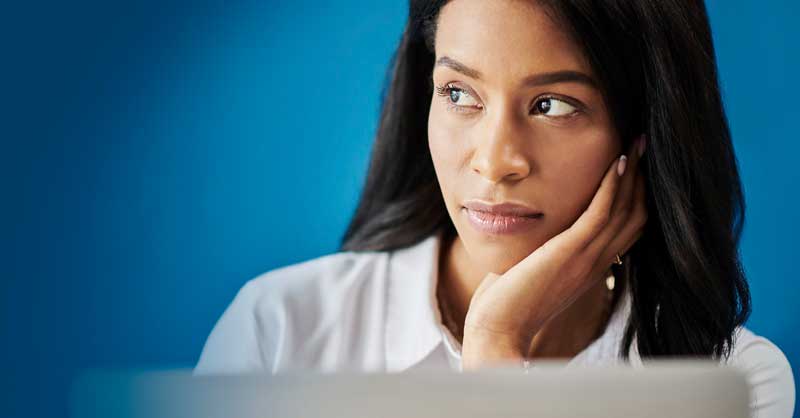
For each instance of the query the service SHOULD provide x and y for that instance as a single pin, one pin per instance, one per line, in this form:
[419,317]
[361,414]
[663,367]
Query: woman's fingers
[622,206]
[624,195]
[632,229]
[598,214]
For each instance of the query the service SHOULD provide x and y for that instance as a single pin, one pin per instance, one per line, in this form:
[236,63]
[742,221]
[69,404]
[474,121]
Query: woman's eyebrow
[531,80]
[458,66]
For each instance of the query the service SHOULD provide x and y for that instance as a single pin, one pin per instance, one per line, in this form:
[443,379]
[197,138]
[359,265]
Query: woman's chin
[499,255]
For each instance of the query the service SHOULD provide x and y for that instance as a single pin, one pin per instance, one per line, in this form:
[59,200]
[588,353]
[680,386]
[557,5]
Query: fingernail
[642,144]
[623,161]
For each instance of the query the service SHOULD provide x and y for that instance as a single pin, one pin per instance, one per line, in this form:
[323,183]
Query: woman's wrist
[481,348]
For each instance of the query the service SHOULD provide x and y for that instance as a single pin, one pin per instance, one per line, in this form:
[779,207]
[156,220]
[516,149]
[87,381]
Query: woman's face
[517,117]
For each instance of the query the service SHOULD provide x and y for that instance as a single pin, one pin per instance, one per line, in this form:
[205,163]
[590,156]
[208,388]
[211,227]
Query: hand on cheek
[507,310]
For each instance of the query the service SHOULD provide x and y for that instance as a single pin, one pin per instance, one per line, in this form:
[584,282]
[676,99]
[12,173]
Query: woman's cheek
[577,179]
[445,150]
[447,153]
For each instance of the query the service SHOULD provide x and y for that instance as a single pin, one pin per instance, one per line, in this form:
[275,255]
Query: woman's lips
[491,223]
[505,208]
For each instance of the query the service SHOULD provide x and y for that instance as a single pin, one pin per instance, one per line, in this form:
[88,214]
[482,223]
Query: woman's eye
[457,99]
[550,106]
[457,95]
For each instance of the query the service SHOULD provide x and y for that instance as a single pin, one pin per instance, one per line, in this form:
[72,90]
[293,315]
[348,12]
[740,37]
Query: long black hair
[656,65]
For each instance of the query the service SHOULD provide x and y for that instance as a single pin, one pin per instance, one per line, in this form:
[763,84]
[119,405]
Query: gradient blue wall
[157,155]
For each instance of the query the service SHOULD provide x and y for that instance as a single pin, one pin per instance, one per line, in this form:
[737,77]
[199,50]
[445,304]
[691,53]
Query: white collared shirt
[377,311]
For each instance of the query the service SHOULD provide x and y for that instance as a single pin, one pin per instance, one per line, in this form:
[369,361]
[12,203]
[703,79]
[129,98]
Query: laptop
[660,389]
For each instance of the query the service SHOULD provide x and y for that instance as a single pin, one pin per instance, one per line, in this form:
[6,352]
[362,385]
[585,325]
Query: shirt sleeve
[239,342]
[769,375]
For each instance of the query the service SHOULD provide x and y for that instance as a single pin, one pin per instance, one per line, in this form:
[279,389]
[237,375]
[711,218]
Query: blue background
[157,155]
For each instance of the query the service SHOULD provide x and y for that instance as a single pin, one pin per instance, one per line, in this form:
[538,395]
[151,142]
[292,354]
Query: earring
[610,282]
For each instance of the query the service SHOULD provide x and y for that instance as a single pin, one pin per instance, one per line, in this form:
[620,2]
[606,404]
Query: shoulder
[273,315]
[305,295]
[768,372]
[326,275]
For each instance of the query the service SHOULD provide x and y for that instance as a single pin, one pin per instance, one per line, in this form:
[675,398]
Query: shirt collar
[413,322]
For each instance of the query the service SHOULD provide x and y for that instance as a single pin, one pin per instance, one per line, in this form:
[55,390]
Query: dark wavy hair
[656,65]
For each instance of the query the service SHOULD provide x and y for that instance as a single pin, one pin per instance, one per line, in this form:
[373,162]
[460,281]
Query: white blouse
[377,312]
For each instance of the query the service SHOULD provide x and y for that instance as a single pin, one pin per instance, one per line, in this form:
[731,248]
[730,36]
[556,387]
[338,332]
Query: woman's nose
[499,152]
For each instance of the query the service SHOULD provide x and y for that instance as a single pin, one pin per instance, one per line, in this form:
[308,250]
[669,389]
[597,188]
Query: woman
[550,179]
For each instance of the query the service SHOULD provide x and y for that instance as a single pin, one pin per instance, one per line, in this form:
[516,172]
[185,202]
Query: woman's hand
[507,310]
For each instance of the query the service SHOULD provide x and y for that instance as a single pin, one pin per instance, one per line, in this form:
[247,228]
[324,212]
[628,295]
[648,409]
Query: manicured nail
[623,161]
[642,144]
